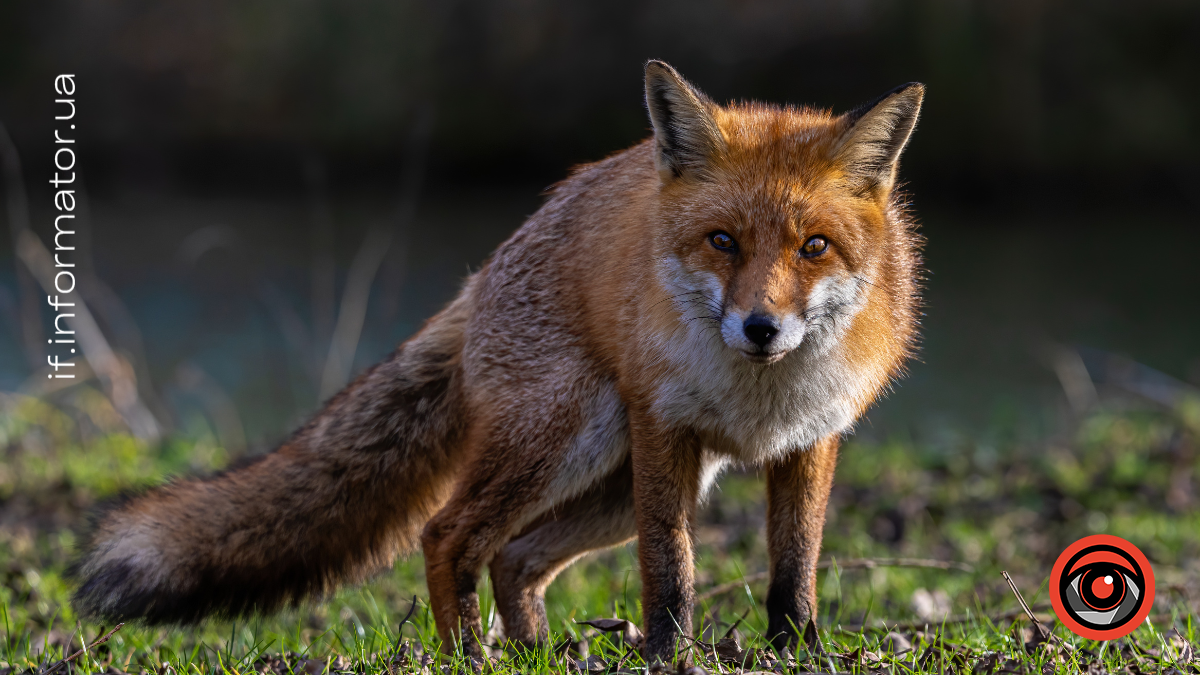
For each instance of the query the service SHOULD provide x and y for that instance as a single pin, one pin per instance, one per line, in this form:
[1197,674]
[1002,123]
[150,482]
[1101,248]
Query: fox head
[781,228]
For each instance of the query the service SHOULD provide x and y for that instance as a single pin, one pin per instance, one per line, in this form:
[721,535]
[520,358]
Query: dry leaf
[592,664]
[630,633]
[895,643]
[729,651]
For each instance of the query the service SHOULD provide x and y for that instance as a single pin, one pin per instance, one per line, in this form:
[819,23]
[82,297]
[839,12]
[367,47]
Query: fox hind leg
[600,518]
[519,472]
[461,538]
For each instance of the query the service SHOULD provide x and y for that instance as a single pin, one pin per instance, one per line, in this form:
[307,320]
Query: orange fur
[587,387]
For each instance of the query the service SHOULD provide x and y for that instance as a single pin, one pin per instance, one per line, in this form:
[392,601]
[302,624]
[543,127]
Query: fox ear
[686,137]
[875,134]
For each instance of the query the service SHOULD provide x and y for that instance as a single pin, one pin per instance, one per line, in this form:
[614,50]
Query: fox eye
[814,246]
[722,241]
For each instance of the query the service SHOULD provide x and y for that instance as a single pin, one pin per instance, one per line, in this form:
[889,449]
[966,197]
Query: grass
[1010,499]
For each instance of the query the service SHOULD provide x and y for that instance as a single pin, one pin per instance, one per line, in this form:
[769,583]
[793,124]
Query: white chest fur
[752,412]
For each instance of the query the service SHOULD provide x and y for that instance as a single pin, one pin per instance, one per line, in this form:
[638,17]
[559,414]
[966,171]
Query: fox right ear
[686,137]
[875,135]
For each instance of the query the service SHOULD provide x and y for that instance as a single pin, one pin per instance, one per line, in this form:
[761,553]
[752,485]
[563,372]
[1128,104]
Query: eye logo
[1102,587]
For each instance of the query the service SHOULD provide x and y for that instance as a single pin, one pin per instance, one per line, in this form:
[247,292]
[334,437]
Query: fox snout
[762,336]
[761,329]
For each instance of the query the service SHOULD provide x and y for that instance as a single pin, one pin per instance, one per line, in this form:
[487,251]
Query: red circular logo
[1102,587]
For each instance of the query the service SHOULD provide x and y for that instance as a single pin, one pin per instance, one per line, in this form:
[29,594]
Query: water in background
[211,283]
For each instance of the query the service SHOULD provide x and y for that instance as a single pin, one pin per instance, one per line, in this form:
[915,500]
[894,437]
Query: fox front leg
[797,492]
[666,485]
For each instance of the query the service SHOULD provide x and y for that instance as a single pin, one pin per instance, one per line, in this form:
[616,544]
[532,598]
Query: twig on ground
[853,563]
[733,626]
[1041,627]
[101,640]
[1025,606]
[628,652]
[412,608]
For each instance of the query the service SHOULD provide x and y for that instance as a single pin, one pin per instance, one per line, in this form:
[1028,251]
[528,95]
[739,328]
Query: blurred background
[237,159]
[279,192]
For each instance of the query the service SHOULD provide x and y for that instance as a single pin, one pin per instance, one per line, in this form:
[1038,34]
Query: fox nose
[761,329]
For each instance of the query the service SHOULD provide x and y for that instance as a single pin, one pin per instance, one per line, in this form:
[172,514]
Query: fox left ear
[875,134]
[686,137]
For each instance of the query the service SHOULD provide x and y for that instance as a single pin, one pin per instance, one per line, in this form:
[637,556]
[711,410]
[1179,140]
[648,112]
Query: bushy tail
[337,502]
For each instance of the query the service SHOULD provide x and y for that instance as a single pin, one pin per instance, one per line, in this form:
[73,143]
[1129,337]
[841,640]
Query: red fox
[738,288]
